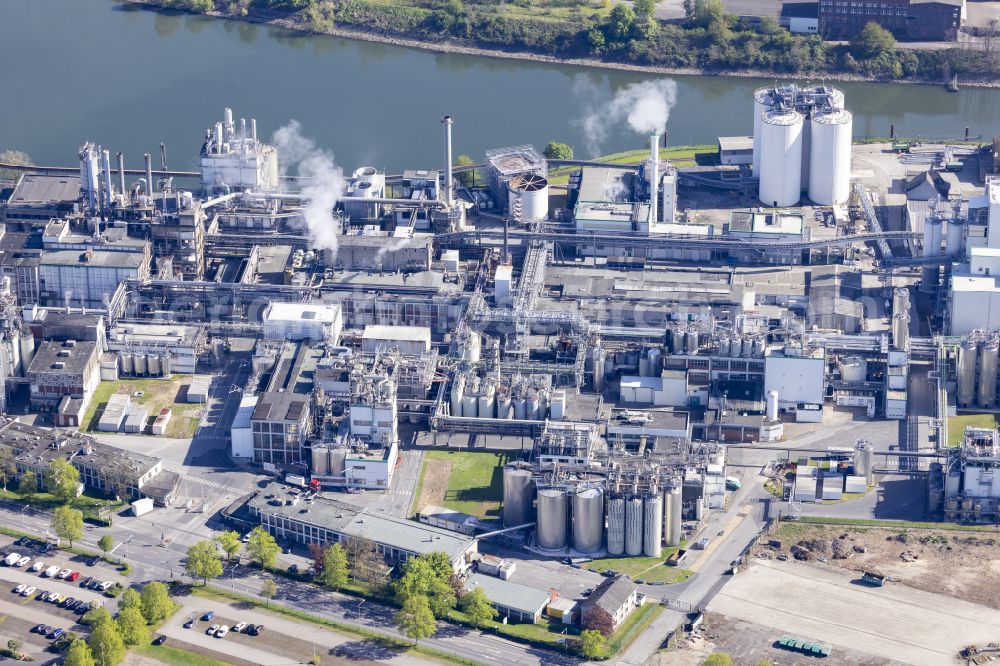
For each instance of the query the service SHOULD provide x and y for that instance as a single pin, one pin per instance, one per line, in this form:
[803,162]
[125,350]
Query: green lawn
[957,424]
[156,394]
[166,654]
[474,484]
[90,506]
[679,155]
[895,524]
[634,625]
[649,569]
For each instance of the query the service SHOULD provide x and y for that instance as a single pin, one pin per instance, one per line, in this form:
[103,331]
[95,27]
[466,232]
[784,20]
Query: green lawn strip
[362,632]
[475,486]
[894,524]
[649,569]
[153,397]
[415,500]
[634,625]
[957,424]
[89,506]
[166,654]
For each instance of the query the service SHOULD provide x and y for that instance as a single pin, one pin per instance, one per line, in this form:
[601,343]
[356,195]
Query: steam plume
[323,184]
[645,106]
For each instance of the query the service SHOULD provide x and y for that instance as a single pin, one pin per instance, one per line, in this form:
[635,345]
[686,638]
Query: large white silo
[830,157]
[781,158]
[761,103]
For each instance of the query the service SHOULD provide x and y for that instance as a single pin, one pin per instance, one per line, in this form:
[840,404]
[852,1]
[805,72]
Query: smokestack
[149,173]
[228,119]
[121,173]
[218,138]
[106,163]
[446,121]
[243,129]
[654,176]
[253,129]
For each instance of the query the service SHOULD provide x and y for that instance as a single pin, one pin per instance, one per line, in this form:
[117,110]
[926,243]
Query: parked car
[63,573]
[211,630]
[56,634]
[189,623]
[68,602]
[21,541]
[94,560]
[106,585]
[51,571]
[55,598]
[208,616]
[19,589]
[239,627]
[28,591]
[86,581]
[37,629]
[73,575]
[47,548]
[160,640]
[42,596]
[257,630]
[37,566]
[94,584]
[223,630]
[702,543]
[21,562]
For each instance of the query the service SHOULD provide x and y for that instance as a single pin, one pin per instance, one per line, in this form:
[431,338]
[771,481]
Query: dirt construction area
[817,602]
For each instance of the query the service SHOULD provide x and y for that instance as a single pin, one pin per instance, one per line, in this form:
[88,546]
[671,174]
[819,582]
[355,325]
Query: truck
[675,558]
[11,559]
[295,480]
[872,578]
[732,483]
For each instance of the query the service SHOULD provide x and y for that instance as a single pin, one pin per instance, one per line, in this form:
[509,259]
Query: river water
[130,78]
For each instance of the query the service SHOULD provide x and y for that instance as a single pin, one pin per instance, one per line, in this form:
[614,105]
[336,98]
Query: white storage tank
[634,518]
[673,508]
[654,362]
[505,408]
[518,495]
[128,366]
[520,409]
[487,402]
[653,530]
[830,157]
[761,103]
[966,371]
[955,237]
[140,364]
[530,194]
[988,373]
[588,520]
[616,525]
[153,366]
[725,344]
[781,158]
[772,405]
[470,406]
[853,369]
[553,514]
[534,406]
[320,460]
[457,393]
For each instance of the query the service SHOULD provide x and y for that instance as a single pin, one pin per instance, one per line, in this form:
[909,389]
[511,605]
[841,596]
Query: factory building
[282,417]
[514,602]
[610,603]
[917,20]
[63,368]
[366,183]
[966,487]
[375,250]
[39,198]
[974,294]
[797,375]
[407,339]
[232,158]
[303,321]
[87,279]
[169,348]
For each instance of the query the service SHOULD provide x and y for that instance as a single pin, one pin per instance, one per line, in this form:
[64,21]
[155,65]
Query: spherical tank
[781,158]
[673,507]
[966,372]
[830,157]
[761,103]
[553,511]
[653,530]
[616,526]
[518,493]
[634,518]
[988,373]
[588,520]
[533,192]
[127,365]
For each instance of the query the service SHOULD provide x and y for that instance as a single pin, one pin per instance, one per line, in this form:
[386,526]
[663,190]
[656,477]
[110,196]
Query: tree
[873,41]
[129,599]
[96,616]
[558,151]
[106,644]
[466,178]
[156,602]
[8,468]
[644,7]
[269,589]
[62,479]
[441,598]
[415,620]
[230,542]
[132,626]
[262,548]
[12,157]
[67,523]
[598,620]
[334,573]
[28,485]
[14,646]
[592,644]
[477,608]
[718,659]
[106,543]
[79,654]
[367,565]
[203,561]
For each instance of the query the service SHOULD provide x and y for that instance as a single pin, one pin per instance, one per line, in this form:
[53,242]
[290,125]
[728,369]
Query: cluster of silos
[977,351]
[947,225]
[638,523]
[328,461]
[802,141]
[683,339]
[734,345]
[132,364]
[901,319]
[651,362]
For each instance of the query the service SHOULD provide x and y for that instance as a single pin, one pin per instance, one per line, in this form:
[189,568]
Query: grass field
[166,654]
[649,569]
[466,481]
[679,155]
[891,524]
[91,507]
[156,394]
[957,424]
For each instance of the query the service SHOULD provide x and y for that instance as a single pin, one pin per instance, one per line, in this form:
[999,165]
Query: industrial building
[916,20]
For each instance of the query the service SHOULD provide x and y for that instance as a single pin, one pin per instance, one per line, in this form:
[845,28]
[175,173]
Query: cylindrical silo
[518,495]
[691,341]
[901,331]
[725,344]
[588,520]
[153,365]
[900,300]
[530,193]
[128,367]
[966,372]
[534,403]
[520,409]
[772,405]
[643,366]
[634,518]
[673,510]
[553,512]
[654,362]
[457,393]
[781,158]
[652,541]
[761,103]
[596,362]
[863,460]
[616,525]
[505,408]
[746,347]
[830,157]
[320,456]
[338,461]
[988,373]
[487,402]
[470,406]
[140,364]
[955,237]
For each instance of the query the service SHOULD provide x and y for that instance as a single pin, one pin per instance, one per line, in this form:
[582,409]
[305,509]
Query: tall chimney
[121,173]
[228,119]
[106,164]
[253,129]
[243,129]
[149,173]
[218,138]
[654,176]
[446,121]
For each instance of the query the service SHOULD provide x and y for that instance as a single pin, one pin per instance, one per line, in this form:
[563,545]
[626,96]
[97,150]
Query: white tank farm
[761,103]
[532,191]
[673,507]
[616,526]
[830,157]
[652,543]
[320,460]
[781,158]
[518,495]
[966,372]
[487,402]
[588,520]
[988,373]
[634,518]
[553,512]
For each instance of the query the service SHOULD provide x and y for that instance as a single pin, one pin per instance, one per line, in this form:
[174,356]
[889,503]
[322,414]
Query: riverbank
[295,23]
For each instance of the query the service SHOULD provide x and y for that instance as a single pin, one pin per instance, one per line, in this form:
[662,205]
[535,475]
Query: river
[129,78]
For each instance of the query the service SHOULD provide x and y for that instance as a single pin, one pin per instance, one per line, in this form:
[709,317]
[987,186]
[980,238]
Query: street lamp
[24,527]
[359,608]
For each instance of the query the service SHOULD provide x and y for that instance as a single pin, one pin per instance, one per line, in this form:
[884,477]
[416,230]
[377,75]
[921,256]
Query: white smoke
[323,184]
[391,247]
[645,106]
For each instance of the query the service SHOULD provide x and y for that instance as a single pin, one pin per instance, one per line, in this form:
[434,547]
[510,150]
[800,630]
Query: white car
[28,591]
[50,572]
[239,627]
[21,562]
[62,574]
[37,566]
[211,630]
[223,630]
[19,589]
[106,585]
